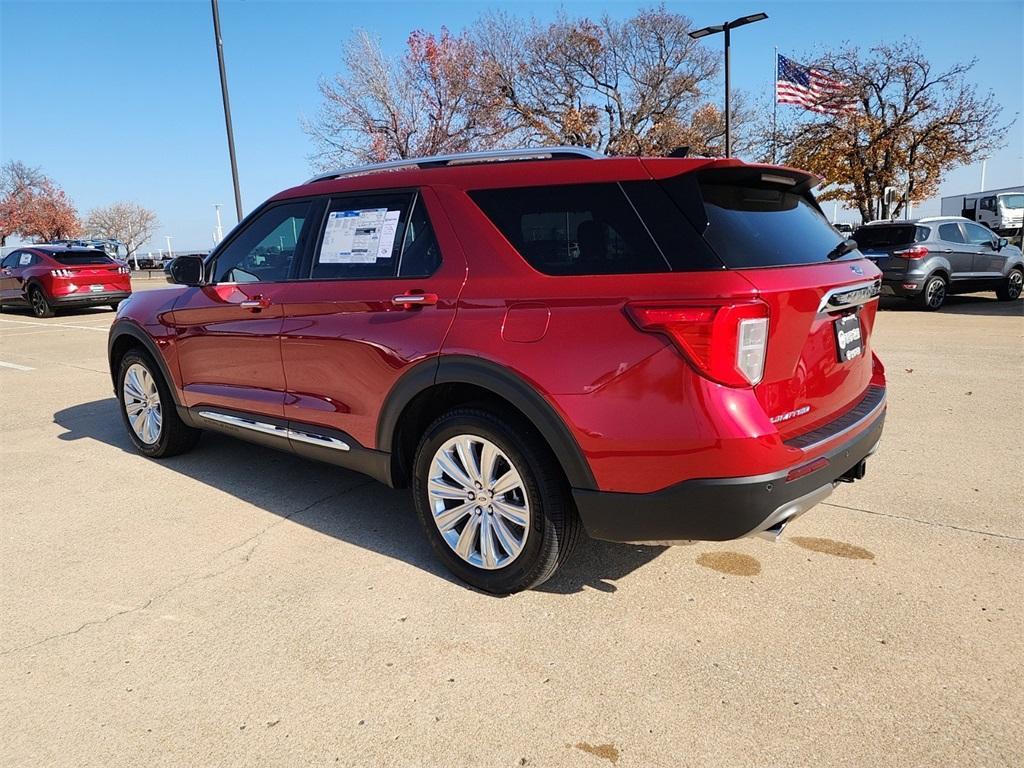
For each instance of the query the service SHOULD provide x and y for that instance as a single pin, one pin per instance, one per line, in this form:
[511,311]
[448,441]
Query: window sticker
[362,236]
[24,259]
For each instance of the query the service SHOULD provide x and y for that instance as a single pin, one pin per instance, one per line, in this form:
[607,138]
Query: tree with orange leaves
[913,124]
[33,206]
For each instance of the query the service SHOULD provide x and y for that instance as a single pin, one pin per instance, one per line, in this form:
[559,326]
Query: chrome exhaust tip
[772,533]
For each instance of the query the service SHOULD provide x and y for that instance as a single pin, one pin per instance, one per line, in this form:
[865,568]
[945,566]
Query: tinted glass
[950,233]
[266,249]
[977,234]
[71,259]
[577,229]
[420,254]
[10,260]
[765,226]
[886,236]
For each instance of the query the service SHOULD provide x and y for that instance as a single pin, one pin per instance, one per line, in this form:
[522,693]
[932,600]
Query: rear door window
[575,229]
[951,233]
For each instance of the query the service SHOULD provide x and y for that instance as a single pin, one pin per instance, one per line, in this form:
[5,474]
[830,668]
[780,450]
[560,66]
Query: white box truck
[1001,210]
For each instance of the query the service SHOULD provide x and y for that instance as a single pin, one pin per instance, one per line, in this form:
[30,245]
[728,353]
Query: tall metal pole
[227,107]
[728,108]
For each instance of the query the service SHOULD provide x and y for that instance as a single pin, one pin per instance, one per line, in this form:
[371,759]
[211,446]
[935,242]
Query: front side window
[578,229]
[978,235]
[377,236]
[267,248]
[951,233]
[11,260]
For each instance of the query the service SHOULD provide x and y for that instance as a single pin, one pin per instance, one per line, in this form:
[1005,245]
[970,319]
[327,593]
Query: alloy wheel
[1014,284]
[478,501]
[142,403]
[936,293]
[38,303]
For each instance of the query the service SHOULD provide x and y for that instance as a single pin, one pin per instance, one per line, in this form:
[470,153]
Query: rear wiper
[849,244]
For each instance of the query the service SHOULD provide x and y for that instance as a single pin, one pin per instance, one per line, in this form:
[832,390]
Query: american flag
[811,89]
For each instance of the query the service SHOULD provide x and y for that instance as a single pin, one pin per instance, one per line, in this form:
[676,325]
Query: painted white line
[56,325]
[15,366]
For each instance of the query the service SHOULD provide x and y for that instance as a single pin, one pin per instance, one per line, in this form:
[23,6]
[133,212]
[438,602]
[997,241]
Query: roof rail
[464,158]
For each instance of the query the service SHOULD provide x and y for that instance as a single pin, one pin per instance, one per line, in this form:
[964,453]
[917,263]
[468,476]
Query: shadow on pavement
[968,304]
[335,501]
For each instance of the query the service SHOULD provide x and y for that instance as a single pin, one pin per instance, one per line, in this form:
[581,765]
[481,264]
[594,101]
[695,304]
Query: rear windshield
[765,226]
[887,236]
[79,258]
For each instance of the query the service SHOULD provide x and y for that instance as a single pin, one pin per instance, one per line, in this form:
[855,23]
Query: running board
[277,430]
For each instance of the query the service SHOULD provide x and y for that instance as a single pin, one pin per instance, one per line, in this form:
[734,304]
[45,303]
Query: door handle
[411,300]
[256,303]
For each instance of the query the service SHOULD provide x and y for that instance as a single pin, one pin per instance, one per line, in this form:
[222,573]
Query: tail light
[62,273]
[913,252]
[726,343]
[123,271]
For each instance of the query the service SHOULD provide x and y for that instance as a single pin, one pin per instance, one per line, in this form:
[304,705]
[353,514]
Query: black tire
[175,435]
[39,303]
[1010,290]
[554,528]
[934,293]
[114,305]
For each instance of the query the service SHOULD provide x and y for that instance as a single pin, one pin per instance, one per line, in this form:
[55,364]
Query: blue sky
[121,100]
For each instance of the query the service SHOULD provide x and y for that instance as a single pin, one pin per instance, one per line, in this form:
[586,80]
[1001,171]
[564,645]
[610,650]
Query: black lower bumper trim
[88,299]
[715,509]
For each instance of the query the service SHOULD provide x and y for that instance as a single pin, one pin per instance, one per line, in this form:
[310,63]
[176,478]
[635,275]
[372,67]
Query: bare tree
[914,123]
[396,108]
[634,86]
[126,222]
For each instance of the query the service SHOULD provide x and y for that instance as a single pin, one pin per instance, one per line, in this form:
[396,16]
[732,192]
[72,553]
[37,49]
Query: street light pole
[227,107]
[726,29]
[170,253]
[219,234]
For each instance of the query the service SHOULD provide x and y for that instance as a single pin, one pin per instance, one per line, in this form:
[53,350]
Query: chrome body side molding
[277,430]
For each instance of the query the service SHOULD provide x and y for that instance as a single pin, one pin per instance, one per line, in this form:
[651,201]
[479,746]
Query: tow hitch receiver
[854,473]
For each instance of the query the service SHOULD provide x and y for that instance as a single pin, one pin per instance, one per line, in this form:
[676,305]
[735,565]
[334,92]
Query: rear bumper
[89,299]
[905,287]
[718,509]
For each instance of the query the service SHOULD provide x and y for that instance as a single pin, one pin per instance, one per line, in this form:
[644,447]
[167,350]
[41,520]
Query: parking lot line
[55,325]
[15,366]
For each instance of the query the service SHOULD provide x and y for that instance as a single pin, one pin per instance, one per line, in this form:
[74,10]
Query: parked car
[50,277]
[928,259]
[538,342]
[844,229]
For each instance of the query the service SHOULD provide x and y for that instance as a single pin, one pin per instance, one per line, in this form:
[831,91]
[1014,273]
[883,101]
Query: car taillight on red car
[124,271]
[62,272]
[913,252]
[726,343]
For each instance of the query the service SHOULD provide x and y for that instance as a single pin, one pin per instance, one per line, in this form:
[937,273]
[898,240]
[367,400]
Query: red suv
[48,277]
[537,342]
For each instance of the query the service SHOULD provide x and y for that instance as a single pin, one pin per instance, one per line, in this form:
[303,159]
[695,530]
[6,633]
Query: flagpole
[775,110]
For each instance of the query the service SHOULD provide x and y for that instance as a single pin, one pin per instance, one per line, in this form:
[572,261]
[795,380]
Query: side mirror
[1001,243]
[185,270]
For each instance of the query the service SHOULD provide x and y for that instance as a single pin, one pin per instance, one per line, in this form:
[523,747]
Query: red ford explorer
[538,342]
[49,277]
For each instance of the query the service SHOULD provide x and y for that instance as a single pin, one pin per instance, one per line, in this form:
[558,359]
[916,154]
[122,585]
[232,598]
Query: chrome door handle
[260,302]
[410,300]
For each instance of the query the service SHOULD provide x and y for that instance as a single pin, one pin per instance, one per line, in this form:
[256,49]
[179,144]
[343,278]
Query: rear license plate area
[849,338]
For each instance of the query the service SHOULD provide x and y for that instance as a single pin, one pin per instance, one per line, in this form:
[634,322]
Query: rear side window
[888,236]
[750,225]
[951,233]
[577,229]
[72,259]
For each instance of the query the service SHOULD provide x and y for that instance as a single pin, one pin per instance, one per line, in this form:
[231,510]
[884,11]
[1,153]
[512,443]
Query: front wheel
[934,294]
[1010,290]
[492,500]
[148,411]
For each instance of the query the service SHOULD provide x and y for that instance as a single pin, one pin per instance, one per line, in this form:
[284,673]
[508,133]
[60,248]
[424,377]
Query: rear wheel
[492,500]
[934,294]
[1010,290]
[40,304]
[148,411]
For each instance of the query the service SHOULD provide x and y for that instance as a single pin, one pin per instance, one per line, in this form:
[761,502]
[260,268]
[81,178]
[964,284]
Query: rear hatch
[88,269]
[764,225]
[886,244]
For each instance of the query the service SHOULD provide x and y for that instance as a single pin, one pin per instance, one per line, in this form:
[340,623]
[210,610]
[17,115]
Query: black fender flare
[463,369]
[122,328]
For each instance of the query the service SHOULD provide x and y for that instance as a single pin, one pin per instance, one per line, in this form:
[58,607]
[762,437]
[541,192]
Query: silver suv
[928,259]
